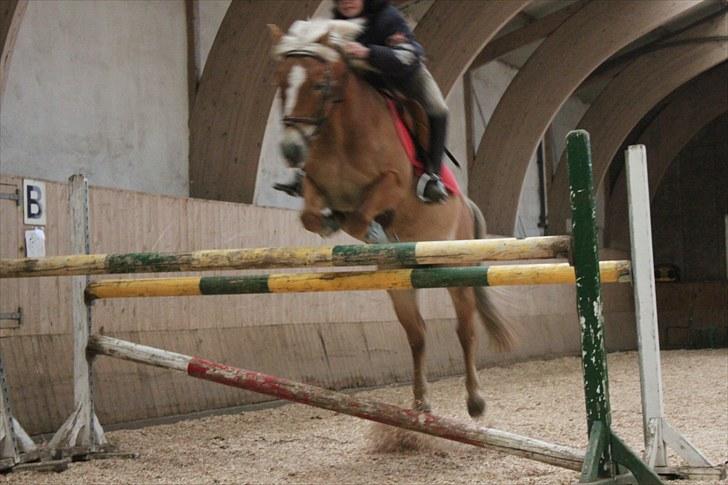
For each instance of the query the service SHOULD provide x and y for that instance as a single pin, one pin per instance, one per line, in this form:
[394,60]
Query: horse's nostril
[293,153]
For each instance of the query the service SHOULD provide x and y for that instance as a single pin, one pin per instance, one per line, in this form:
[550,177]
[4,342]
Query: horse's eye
[319,86]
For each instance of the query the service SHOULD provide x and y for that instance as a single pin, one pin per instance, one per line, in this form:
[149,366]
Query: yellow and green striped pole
[395,254]
[440,277]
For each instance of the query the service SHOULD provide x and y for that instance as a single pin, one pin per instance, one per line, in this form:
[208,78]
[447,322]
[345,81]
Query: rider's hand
[357,50]
[396,39]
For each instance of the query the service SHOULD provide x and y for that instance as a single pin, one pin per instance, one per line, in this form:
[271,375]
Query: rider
[387,43]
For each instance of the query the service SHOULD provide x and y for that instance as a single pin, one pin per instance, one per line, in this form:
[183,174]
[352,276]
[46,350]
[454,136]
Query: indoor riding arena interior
[557,312]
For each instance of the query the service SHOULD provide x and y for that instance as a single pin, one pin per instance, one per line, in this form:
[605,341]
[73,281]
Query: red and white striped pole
[410,419]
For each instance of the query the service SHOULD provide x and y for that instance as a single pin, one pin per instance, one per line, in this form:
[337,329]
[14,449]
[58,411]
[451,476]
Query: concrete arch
[630,95]
[234,99]
[689,110]
[11,15]
[533,99]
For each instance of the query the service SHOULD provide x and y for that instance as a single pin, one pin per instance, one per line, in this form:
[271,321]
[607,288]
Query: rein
[328,97]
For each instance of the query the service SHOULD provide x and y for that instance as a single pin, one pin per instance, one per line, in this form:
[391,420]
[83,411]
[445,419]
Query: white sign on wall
[34,202]
[35,243]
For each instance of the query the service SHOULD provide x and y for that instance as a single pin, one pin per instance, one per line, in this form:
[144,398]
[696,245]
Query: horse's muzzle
[294,148]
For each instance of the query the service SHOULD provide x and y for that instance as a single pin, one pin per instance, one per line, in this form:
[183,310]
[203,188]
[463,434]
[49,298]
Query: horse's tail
[492,319]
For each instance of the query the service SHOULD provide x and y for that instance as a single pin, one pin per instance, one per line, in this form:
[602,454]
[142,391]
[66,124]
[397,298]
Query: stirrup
[293,188]
[422,186]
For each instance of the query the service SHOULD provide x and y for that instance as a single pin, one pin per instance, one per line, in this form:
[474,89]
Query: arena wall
[338,340]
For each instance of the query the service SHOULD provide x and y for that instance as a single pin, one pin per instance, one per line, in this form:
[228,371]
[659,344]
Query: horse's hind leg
[464,301]
[405,306]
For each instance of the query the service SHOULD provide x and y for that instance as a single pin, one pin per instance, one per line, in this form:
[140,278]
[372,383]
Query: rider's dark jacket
[396,62]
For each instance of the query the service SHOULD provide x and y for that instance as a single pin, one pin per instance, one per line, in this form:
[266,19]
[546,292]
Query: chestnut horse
[356,169]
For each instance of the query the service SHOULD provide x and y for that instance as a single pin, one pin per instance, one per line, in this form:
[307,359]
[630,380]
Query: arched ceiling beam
[454,31]
[532,32]
[234,98]
[630,96]
[542,86]
[236,91]
[689,110]
[11,15]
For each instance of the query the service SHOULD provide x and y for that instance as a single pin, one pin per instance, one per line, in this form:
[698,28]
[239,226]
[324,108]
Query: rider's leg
[423,88]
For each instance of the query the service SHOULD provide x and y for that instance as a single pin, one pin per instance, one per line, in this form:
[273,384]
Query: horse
[340,130]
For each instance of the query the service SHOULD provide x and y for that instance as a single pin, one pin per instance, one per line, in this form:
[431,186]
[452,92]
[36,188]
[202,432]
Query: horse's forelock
[306,35]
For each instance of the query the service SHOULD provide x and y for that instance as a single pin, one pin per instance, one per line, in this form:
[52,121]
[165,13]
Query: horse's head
[311,77]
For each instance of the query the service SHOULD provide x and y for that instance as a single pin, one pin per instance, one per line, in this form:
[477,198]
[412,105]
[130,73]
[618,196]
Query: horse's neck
[355,121]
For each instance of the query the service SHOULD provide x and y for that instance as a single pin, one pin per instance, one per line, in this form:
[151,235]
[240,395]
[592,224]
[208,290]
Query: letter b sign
[34,203]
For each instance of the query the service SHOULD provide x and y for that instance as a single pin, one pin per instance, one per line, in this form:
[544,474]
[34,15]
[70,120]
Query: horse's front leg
[408,314]
[384,194]
[314,205]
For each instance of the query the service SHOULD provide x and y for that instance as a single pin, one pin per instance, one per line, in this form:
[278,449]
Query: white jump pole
[657,432]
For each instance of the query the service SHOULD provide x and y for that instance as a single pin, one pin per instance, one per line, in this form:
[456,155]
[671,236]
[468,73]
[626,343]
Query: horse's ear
[275,33]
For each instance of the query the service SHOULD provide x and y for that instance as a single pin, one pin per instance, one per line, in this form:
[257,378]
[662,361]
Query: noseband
[328,96]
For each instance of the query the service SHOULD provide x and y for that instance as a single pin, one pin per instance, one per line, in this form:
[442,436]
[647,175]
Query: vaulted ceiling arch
[11,16]
[693,107]
[631,95]
[552,73]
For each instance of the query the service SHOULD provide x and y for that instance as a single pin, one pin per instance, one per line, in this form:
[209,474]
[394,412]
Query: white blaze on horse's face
[294,146]
[296,77]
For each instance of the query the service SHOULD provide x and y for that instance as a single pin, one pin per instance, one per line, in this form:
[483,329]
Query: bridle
[331,93]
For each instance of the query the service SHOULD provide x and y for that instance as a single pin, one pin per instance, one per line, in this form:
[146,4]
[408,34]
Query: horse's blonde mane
[304,36]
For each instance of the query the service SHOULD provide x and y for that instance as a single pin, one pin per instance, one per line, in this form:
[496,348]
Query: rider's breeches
[423,88]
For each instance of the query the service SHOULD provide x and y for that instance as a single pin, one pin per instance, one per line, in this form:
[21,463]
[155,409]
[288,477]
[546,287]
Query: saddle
[410,121]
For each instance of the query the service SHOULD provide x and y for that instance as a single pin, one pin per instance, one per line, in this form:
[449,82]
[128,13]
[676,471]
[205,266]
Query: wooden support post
[657,432]
[589,305]
[410,419]
[14,441]
[81,433]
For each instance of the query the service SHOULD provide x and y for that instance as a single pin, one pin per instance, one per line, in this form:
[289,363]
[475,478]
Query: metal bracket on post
[658,433]
[16,317]
[81,433]
[15,195]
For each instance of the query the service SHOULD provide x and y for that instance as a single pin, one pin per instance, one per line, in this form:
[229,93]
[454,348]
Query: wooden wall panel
[630,96]
[542,86]
[693,314]
[338,340]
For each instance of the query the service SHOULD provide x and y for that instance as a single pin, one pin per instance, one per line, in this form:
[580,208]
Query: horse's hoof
[376,234]
[476,406]
[324,226]
[422,406]
[329,226]
[311,222]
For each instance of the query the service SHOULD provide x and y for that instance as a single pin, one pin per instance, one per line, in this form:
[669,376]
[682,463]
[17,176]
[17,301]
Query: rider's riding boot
[429,187]
[294,188]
